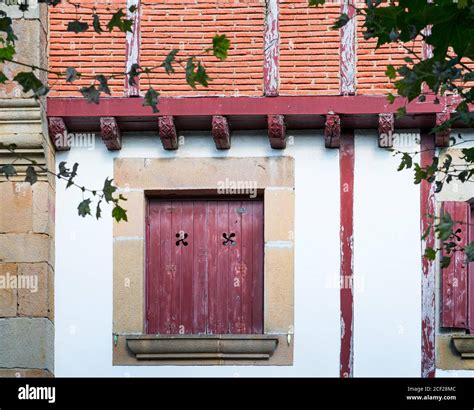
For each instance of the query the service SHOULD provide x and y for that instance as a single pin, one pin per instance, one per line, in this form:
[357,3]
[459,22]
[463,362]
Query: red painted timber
[348,49]
[257,266]
[133,47]
[209,106]
[346,164]
[271,74]
[427,207]
[454,304]
[471,276]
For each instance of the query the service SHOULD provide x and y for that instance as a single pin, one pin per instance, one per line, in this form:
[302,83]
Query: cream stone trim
[138,178]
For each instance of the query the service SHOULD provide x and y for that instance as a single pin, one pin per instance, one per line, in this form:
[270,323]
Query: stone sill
[464,345]
[202,347]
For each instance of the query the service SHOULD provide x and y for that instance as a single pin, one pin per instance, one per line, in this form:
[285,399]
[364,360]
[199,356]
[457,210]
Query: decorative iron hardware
[181,238]
[228,239]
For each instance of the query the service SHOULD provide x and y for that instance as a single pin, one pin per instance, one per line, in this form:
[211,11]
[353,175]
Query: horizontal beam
[228,106]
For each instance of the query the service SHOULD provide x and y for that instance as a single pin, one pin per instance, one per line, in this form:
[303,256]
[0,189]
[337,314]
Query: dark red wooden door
[205,267]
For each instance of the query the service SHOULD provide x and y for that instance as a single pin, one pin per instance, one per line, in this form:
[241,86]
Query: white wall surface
[387,259]
[387,264]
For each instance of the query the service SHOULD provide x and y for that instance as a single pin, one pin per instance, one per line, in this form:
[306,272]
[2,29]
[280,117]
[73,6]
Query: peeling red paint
[272,50]
[348,49]
[427,206]
[346,164]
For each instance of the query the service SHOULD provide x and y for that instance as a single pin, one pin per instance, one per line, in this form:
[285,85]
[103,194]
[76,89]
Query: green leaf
[98,211]
[201,76]
[132,8]
[445,261]
[103,84]
[108,190]
[9,170]
[391,72]
[406,162]
[341,21]
[169,60]
[7,53]
[77,26]
[29,82]
[96,24]
[84,208]
[71,74]
[72,175]
[390,98]
[133,74]
[119,213]
[469,252]
[445,226]
[118,20]
[151,99]
[3,78]
[401,112]
[91,94]
[31,175]
[430,254]
[220,46]
[316,3]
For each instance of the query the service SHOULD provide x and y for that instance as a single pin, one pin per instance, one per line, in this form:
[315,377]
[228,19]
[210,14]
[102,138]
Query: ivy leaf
[3,78]
[469,252]
[220,46]
[133,74]
[445,227]
[316,3]
[119,213]
[406,162]
[132,8]
[71,74]
[390,98]
[9,170]
[7,53]
[90,93]
[96,24]
[430,254]
[98,211]
[29,82]
[445,261]
[120,22]
[31,175]
[168,63]
[63,170]
[151,99]
[401,112]
[84,208]
[341,21]
[77,26]
[108,190]
[190,75]
[103,84]
[391,72]
[72,175]
[201,75]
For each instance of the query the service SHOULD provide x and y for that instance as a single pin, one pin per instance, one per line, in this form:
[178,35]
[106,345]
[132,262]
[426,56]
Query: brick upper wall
[88,52]
[190,27]
[309,48]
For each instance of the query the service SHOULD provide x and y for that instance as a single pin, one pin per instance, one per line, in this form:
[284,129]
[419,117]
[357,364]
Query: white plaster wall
[83,284]
[387,264]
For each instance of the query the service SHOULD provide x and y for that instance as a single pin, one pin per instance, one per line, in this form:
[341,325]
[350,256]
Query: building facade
[269,232]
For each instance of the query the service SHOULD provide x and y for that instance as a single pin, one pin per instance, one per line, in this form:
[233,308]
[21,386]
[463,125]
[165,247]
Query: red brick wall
[309,50]
[88,52]
[190,26]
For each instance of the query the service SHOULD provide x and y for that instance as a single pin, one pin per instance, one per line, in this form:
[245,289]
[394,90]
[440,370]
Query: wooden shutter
[205,267]
[454,278]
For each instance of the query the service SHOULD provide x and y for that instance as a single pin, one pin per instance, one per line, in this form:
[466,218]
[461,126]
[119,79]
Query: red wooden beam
[221,132]
[277,131]
[348,66]
[271,75]
[332,131]
[110,133]
[386,128]
[442,137]
[133,47]
[168,134]
[209,106]
[58,133]
[346,165]
[428,312]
